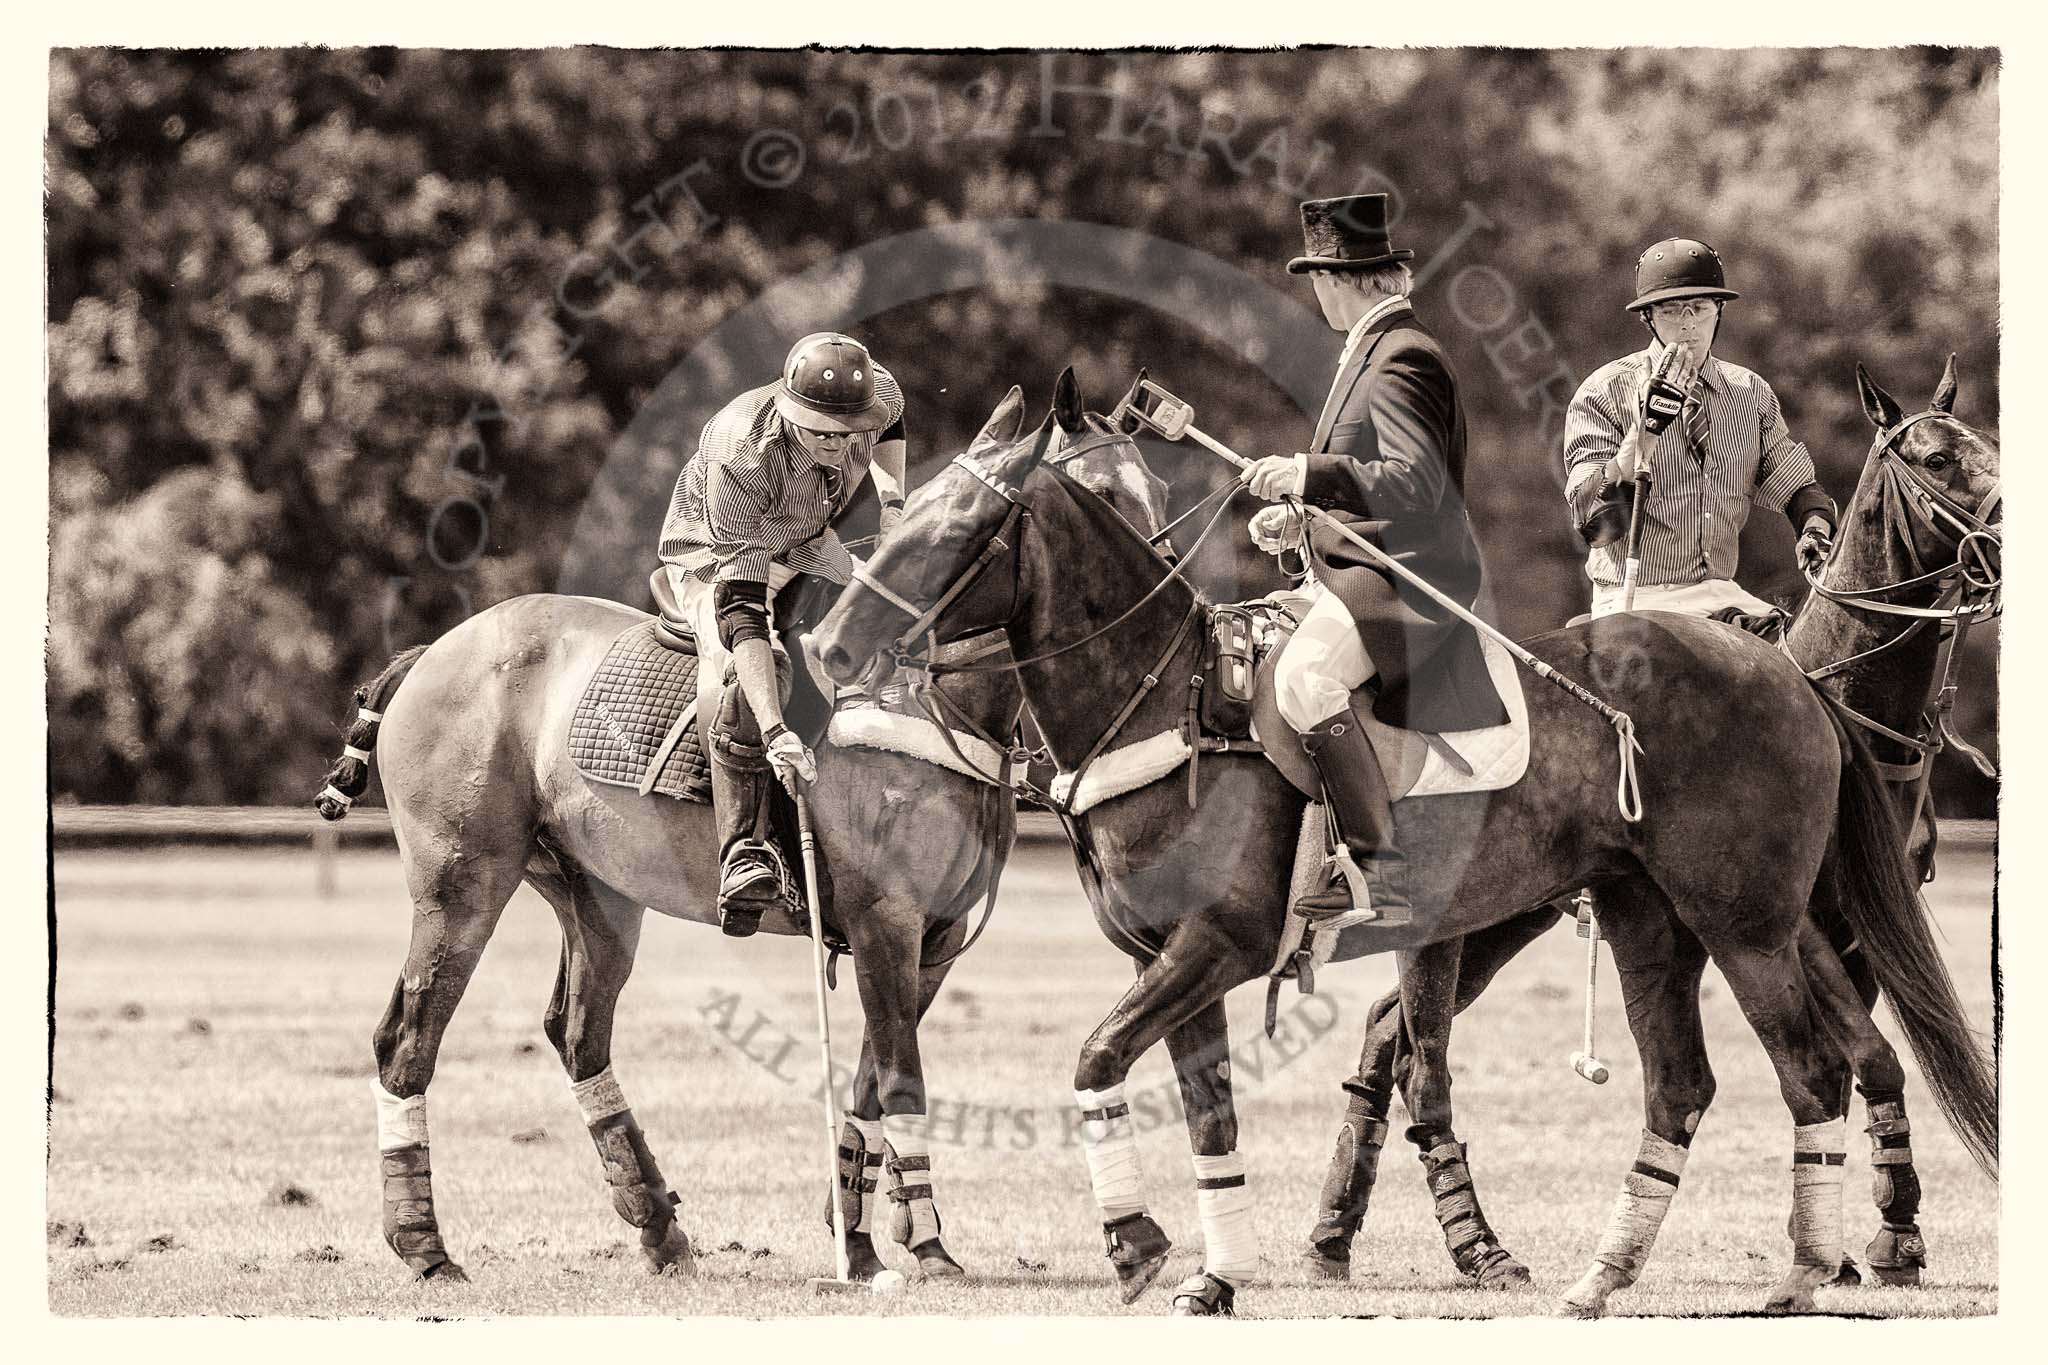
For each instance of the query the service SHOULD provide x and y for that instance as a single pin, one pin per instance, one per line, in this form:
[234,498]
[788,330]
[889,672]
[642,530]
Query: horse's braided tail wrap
[350,775]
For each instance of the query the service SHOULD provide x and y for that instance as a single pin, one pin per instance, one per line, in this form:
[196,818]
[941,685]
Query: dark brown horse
[1916,558]
[1095,619]
[483,795]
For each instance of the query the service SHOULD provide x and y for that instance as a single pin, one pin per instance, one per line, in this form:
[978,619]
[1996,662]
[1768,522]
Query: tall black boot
[742,783]
[1362,815]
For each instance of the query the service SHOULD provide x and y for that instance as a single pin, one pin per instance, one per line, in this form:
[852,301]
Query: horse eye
[1936,462]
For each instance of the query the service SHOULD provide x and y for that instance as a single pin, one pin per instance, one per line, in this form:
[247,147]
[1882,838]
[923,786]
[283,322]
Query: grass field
[212,1148]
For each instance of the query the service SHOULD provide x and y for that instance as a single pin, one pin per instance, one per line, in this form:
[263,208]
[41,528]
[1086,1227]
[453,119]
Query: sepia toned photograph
[769,682]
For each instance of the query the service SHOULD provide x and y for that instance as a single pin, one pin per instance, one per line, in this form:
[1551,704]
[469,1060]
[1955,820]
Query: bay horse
[470,735]
[1917,550]
[1096,618]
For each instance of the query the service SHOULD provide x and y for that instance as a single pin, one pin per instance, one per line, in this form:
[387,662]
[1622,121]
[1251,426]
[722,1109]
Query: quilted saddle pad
[627,711]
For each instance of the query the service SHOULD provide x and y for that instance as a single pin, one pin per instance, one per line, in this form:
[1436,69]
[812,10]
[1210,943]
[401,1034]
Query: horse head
[1943,455]
[954,554]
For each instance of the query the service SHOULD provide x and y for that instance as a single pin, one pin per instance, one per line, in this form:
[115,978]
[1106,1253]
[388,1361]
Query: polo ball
[888,1282]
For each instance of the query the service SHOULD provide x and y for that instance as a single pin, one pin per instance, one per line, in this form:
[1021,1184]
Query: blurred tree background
[344,345]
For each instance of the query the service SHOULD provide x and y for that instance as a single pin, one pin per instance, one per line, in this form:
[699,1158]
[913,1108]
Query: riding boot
[1361,814]
[742,785]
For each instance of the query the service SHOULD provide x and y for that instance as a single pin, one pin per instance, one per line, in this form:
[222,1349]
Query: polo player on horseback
[752,515]
[1729,450]
[1388,459]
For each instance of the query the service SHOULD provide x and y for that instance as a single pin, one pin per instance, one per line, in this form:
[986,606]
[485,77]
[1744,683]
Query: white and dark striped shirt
[751,496]
[1692,526]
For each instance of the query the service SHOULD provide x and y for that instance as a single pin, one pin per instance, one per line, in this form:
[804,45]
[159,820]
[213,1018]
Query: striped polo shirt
[1699,501]
[751,496]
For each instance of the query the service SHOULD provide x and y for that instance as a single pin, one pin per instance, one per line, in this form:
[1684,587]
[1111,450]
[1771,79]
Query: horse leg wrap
[1347,1187]
[410,1227]
[1110,1143]
[1818,1153]
[1230,1244]
[1471,1241]
[409,1224]
[1898,1252]
[1646,1193]
[860,1172]
[915,1218]
[639,1193]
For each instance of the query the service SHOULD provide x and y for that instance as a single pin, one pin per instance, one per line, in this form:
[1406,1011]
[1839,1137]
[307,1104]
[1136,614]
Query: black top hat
[1349,233]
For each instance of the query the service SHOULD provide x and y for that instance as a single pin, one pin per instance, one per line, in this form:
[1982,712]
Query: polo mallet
[1662,404]
[838,1283]
[1585,1061]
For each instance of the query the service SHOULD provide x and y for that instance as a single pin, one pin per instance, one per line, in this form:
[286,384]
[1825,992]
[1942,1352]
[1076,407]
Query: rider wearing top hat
[752,514]
[1387,459]
[1726,451]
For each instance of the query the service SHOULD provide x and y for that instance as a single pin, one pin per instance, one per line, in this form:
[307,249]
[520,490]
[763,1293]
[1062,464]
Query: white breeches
[695,599]
[1690,599]
[1324,661]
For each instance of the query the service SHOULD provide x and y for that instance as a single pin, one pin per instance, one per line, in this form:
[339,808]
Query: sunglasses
[1686,309]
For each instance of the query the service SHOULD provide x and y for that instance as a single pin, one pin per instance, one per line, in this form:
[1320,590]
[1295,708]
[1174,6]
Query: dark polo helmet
[1679,268]
[828,384]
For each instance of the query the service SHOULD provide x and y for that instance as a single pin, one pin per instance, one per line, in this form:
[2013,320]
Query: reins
[924,690]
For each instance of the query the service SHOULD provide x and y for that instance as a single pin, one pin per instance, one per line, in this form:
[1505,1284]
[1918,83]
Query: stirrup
[1361,910]
[749,883]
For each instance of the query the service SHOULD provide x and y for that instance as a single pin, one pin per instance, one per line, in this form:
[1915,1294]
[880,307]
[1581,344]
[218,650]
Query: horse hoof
[1790,1305]
[445,1273]
[1848,1277]
[934,1262]
[1324,1266]
[1582,1312]
[1135,1279]
[1505,1276]
[1137,1251]
[1204,1296]
[1906,1276]
[671,1257]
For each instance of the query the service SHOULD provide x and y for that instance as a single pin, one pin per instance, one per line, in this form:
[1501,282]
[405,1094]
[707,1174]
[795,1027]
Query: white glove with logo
[788,756]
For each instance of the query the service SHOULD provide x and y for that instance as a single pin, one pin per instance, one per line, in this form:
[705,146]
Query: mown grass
[212,1054]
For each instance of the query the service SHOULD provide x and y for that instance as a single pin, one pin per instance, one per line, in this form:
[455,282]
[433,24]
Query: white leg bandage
[400,1123]
[1818,1151]
[914,1217]
[1230,1245]
[1110,1142]
[599,1097]
[1645,1198]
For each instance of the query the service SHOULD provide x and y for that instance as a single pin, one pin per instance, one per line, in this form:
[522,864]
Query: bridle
[1966,590]
[924,672]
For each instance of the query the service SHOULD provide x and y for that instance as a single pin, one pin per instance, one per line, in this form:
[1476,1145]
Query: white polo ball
[888,1282]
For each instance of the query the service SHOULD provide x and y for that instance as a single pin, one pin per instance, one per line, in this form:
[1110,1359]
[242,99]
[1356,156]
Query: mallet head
[1155,410]
[1592,1068]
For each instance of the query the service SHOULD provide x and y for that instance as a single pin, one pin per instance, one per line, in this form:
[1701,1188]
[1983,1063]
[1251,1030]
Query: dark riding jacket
[1388,459]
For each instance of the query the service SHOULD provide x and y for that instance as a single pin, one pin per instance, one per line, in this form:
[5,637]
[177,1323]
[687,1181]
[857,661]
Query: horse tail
[351,772]
[1879,897]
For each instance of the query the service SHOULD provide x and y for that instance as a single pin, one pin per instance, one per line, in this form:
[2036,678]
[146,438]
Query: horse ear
[1004,423]
[1066,401]
[1944,399]
[1877,404]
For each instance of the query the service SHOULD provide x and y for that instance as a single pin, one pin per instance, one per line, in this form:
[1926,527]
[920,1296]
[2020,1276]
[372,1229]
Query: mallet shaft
[810,855]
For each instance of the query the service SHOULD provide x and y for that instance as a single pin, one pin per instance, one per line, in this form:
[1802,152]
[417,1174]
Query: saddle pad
[1417,764]
[866,727]
[626,712]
